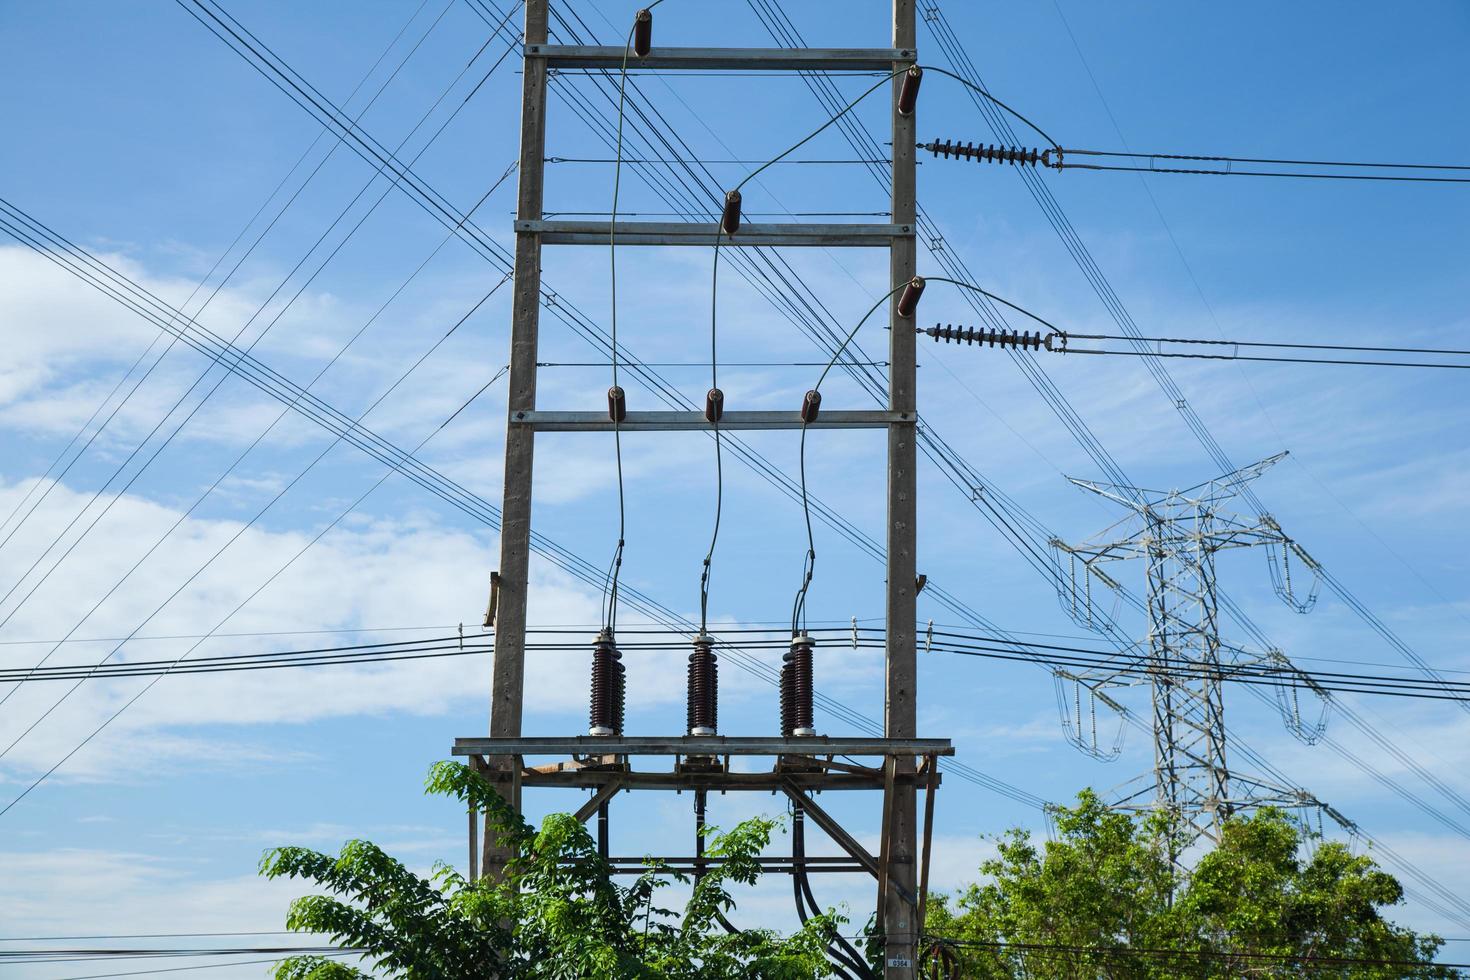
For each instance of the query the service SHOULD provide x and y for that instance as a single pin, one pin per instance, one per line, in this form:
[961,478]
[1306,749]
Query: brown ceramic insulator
[642,32]
[620,694]
[908,300]
[606,714]
[810,404]
[800,685]
[703,704]
[714,405]
[730,217]
[617,404]
[788,699]
[908,92]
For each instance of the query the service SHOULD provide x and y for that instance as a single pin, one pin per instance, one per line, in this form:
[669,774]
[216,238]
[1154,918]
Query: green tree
[557,913]
[1103,899]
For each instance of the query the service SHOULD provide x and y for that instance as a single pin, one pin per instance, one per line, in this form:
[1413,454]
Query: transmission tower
[1177,534]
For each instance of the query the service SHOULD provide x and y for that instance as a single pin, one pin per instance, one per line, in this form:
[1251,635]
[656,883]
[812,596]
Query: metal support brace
[931,770]
[701,235]
[564,56]
[696,421]
[603,795]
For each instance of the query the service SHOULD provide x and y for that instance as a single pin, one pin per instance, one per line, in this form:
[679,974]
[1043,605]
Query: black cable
[273,576]
[1154,951]
[145,935]
[610,590]
[425,197]
[1267,173]
[1273,360]
[1049,207]
[1291,163]
[714,384]
[1263,343]
[1039,190]
[276,319]
[839,949]
[223,255]
[249,524]
[270,428]
[979,494]
[181,969]
[777,295]
[809,564]
[482,510]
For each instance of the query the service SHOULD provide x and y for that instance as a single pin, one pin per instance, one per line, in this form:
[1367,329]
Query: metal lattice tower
[1177,534]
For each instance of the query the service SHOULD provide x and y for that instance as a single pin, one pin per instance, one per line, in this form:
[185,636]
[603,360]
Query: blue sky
[140,136]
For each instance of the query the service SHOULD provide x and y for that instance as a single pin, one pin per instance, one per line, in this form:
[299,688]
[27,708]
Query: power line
[284,412]
[937,641]
[1228,170]
[1263,173]
[271,578]
[944,34]
[1154,951]
[26,957]
[181,969]
[1264,343]
[1294,163]
[1060,342]
[208,394]
[218,262]
[980,493]
[146,935]
[966,479]
[1338,362]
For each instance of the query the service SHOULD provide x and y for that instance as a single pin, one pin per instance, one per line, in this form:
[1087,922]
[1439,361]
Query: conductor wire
[714,383]
[798,606]
[610,587]
[869,91]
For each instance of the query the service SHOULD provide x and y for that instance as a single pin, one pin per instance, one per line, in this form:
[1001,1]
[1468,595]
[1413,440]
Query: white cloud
[368,573]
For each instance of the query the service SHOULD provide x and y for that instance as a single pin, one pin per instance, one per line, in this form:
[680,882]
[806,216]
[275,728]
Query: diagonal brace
[834,830]
[606,792]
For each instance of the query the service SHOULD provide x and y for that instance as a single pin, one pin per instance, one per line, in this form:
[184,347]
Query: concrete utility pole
[802,762]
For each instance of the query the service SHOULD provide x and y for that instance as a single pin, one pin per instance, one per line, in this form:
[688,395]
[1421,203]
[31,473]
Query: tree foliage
[1104,899]
[558,913]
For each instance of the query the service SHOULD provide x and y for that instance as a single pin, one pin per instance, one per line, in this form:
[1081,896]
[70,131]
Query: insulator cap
[609,687]
[704,679]
[730,219]
[714,405]
[908,92]
[1014,339]
[617,404]
[994,153]
[643,32]
[810,406]
[908,300]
